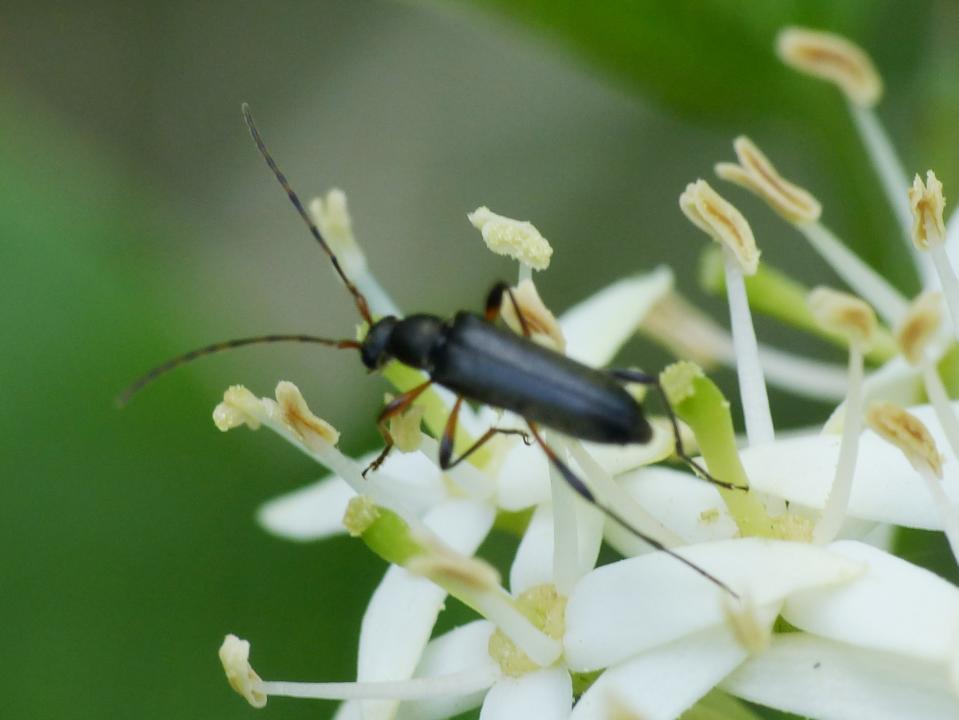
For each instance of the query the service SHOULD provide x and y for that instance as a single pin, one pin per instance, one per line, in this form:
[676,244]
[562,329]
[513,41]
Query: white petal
[533,564]
[310,513]
[464,648]
[596,328]
[590,523]
[350,710]
[316,511]
[523,478]
[543,695]
[662,683]
[821,679]
[690,507]
[885,489]
[401,614]
[893,606]
[627,607]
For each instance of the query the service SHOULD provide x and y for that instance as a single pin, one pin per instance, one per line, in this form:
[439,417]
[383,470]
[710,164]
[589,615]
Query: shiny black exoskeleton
[492,365]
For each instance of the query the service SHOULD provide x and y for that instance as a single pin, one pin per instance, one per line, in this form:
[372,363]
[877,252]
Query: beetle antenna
[141,382]
[361,303]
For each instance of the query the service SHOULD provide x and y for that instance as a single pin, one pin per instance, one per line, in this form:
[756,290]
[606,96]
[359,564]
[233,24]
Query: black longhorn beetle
[477,360]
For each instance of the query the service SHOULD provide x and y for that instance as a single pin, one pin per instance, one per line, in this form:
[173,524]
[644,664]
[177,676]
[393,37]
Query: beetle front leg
[394,407]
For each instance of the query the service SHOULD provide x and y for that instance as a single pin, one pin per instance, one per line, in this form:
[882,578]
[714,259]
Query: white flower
[868,635]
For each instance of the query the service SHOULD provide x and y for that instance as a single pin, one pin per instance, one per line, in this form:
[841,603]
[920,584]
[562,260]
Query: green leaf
[718,705]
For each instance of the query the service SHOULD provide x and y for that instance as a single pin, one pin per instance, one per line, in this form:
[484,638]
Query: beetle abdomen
[499,368]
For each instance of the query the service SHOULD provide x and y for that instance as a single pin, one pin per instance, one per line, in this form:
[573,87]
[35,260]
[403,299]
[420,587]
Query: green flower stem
[390,536]
[701,405]
[383,531]
[773,293]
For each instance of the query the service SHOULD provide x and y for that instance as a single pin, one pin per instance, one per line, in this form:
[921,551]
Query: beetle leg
[495,300]
[641,378]
[446,442]
[394,407]
[580,488]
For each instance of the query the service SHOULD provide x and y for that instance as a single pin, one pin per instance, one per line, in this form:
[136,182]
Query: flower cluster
[797,604]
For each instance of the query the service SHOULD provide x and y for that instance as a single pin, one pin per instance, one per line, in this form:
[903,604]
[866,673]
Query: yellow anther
[722,222]
[845,315]
[517,239]
[239,407]
[542,324]
[296,415]
[235,656]
[906,432]
[361,513]
[405,428]
[927,203]
[834,58]
[755,173]
[919,326]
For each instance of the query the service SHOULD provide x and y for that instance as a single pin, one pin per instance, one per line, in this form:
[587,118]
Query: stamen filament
[379,301]
[834,512]
[939,398]
[752,383]
[883,156]
[525,272]
[947,277]
[894,181]
[946,508]
[566,564]
[865,281]
[462,683]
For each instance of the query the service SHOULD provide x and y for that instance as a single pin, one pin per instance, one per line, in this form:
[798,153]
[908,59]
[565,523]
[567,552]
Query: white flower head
[651,634]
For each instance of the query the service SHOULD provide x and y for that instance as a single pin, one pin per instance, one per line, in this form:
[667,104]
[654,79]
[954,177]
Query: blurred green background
[138,221]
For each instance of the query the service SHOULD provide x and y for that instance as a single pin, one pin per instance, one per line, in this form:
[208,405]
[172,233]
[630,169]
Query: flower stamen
[906,431]
[756,173]
[797,206]
[929,234]
[704,207]
[918,330]
[836,59]
[847,315]
[234,654]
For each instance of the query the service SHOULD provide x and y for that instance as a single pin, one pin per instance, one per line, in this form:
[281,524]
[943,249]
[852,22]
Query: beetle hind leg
[641,378]
[447,462]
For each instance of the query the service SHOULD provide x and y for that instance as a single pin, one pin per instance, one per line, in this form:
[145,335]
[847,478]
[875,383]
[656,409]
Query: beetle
[478,360]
